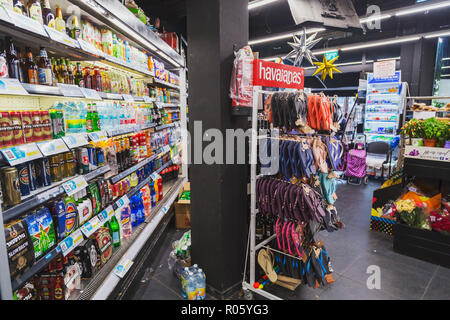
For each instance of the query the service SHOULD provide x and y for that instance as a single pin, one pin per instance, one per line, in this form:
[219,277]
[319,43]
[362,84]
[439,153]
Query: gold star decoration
[326,67]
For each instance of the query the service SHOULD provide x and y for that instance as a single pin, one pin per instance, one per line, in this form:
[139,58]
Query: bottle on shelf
[87,78]
[95,119]
[58,71]
[115,231]
[75,30]
[70,72]
[64,71]
[19,7]
[60,24]
[31,68]
[89,123]
[47,15]
[79,79]
[7,4]
[13,61]
[35,11]
[44,68]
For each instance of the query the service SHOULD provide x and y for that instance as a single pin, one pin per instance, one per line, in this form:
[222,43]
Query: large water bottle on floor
[191,287]
[184,280]
[200,283]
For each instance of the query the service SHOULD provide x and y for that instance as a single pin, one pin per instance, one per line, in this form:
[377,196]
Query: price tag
[52,147]
[147,99]
[113,96]
[11,86]
[128,97]
[20,154]
[86,46]
[76,184]
[91,226]
[123,267]
[122,202]
[71,242]
[4,15]
[97,136]
[164,209]
[27,23]
[70,90]
[165,149]
[90,94]
[61,37]
[75,140]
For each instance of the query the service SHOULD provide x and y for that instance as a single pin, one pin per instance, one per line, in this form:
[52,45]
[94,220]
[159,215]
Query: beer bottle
[70,72]
[44,68]
[13,62]
[65,73]
[19,7]
[79,80]
[47,15]
[31,68]
[89,123]
[95,118]
[60,24]
[115,231]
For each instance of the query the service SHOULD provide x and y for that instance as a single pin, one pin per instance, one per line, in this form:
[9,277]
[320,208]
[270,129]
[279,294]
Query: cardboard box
[183,209]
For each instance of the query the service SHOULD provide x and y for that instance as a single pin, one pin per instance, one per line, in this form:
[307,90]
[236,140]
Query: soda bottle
[89,119]
[115,233]
[125,220]
[95,119]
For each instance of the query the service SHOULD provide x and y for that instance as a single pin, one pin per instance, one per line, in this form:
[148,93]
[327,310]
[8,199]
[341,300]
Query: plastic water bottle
[191,288]
[184,280]
[200,283]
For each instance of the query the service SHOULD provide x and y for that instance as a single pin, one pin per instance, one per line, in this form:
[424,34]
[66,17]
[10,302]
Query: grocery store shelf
[164,126]
[167,105]
[44,194]
[104,282]
[134,168]
[163,83]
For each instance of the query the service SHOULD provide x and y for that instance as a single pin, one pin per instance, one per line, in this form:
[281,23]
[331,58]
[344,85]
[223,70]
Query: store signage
[20,154]
[75,185]
[394,79]
[97,136]
[71,242]
[90,94]
[123,267]
[75,140]
[91,226]
[11,86]
[70,90]
[331,55]
[270,74]
[27,23]
[427,153]
[52,147]
[384,69]
[61,37]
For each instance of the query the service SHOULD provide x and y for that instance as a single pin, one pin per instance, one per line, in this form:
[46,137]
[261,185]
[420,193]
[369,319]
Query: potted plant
[431,127]
[413,131]
[444,134]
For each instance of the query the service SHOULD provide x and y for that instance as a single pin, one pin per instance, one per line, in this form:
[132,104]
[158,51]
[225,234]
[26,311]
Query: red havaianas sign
[270,74]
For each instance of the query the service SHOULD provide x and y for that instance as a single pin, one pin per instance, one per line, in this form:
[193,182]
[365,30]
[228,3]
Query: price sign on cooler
[20,154]
[4,15]
[75,140]
[71,242]
[123,267]
[90,94]
[70,90]
[28,24]
[11,86]
[61,37]
[52,147]
[128,97]
[86,46]
[91,226]
[73,186]
[147,99]
[113,96]
[122,202]
[98,136]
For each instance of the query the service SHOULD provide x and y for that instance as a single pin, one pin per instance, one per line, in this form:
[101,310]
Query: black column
[417,65]
[219,192]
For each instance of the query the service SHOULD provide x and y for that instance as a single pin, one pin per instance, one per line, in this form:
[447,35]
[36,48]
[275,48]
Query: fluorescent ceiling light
[380,43]
[446,67]
[438,34]
[444,59]
[445,75]
[283,36]
[259,3]
[387,59]
[419,8]
[375,17]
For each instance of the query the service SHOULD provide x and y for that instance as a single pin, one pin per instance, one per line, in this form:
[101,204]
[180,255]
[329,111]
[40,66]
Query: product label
[45,76]
[71,217]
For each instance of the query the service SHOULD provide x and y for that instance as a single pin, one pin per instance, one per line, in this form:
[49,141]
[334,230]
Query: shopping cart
[355,170]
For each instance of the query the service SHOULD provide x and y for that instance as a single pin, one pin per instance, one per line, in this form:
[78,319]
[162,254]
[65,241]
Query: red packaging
[115,190]
[160,189]
[16,119]
[37,126]
[27,126]
[46,125]
[6,129]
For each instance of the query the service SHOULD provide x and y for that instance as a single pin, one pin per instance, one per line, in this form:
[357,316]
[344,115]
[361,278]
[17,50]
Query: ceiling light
[375,17]
[439,5]
[438,34]
[284,36]
[259,3]
[387,59]
[444,59]
[380,43]
[446,67]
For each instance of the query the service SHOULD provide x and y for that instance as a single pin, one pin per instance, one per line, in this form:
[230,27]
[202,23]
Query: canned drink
[83,160]
[6,129]
[100,156]
[120,188]
[69,164]
[16,119]
[46,125]
[62,165]
[24,180]
[42,174]
[10,186]
[27,126]
[32,176]
[55,170]
[115,190]
[92,157]
[37,126]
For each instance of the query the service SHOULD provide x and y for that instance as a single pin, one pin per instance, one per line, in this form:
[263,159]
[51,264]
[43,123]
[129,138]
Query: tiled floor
[352,250]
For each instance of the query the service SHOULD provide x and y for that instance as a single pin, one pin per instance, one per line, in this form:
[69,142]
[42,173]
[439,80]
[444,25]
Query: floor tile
[438,289]
[157,291]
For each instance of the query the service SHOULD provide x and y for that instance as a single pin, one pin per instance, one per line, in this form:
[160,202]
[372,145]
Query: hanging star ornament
[326,67]
[302,48]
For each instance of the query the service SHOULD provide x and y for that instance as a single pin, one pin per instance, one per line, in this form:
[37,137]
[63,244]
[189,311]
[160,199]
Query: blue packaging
[32,176]
[24,179]
[58,211]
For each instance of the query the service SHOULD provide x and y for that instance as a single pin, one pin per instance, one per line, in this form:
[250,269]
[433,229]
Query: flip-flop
[266,263]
